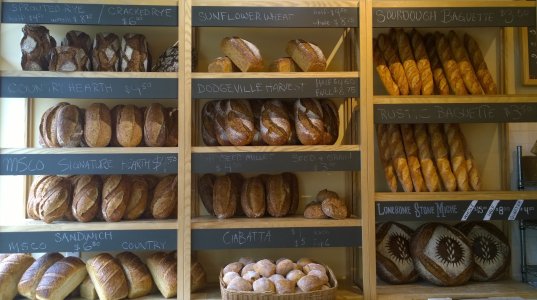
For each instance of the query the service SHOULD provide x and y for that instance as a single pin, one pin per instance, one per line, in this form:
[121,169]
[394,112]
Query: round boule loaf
[86,197]
[68,59]
[253,197]
[135,55]
[69,126]
[155,125]
[442,254]
[36,45]
[394,262]
[334,208]
[220,123]
[105,54]
[97,125]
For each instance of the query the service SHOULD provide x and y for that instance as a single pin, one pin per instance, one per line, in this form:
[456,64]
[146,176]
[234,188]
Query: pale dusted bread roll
[11,270]
[163,268]
[245,55]
[30,279]
[138,276]
[308,56]
[108,277]
[61,279]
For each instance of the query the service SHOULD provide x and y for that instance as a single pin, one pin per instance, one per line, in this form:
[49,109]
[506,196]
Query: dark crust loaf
[168,61]
[308,56]
[220,123]
[239,122]
[278,199]
[69,124]
[135,56]
[205,191]
[155,125]
[275,125]
[208,130]
[253,197]
[245,55]
[225,197]
[293,191]
[330,121]
[68,59]
[309,121]
[35,46]
[105,54]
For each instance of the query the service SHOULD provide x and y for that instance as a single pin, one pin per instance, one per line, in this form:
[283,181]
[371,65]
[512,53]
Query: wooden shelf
[277,75]
[111,2]
[286,3]
[34,225]
[254,149]
[456,196]
[86,150]
[88,74]
[455,99]
[422,290]
[474,3]
[209,222]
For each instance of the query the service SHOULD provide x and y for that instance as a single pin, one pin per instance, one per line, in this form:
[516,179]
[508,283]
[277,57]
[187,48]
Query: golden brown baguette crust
[11,270]
[473,173]
[480,66]
[441,155]
[394,64]
[383,71]
[386,156]
[399,160]
[439,76]
[411,150]
[451,67]
[467,71]
[456,153]
[428,168]
[409,63]
[422,62]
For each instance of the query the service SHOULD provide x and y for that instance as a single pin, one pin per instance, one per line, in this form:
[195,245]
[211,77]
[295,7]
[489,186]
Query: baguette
[383,71]
[467,71]
[480,66]
[456,153]
[394,64]
[422,62]
[11,270]
[450,65]
[411,150]
[439,77]
[473,173]
[30,279]
[428,168]
[61,279]
[440,153]
[399,160]
[386,156]
[409,63]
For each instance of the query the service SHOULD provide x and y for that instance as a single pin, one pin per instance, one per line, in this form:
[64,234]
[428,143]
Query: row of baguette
[66,125]
[111,198]
[408,63]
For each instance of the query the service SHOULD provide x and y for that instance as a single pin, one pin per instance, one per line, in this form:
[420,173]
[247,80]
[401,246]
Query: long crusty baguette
[11,270]
[471,165]
[425,155]
[409,63]
[467,71]
[441,156]
[394,64]
[422,62]
[480,66]
[399,160]
[411,150]
[439,77]
[386,156]
[383,71]
[451,67]
[456,153]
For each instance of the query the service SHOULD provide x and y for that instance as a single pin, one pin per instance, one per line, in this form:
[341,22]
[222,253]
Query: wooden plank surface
[205,75]
[454,99]
[33,225]
[88,74]
[84,150]
[455,196]
[284,3]
[454,4]
[314,148]
[120,2]
[209,222]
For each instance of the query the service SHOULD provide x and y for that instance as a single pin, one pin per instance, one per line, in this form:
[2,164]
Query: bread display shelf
[503,288]
[76,161]
[457,196]
[275,85]
[96,85]
[210,222]
[29,225]
[275,159]
[451,14]
[99,13]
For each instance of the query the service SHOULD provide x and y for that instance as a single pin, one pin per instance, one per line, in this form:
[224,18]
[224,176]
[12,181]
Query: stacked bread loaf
[270,122]
[85,198]
[427,157]
[283,276]
[442,254]
[327,204]
[409,63]
[242,55]
[66,125]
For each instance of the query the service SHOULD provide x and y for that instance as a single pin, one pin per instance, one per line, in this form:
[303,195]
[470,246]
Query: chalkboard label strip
[451,17]
[85,241]
[299,161]
[69,164]
[315,237]
[89,14]
[83,88]
[314,17]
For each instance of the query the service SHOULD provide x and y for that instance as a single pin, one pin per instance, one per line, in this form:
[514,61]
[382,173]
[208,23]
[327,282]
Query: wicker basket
[317,295]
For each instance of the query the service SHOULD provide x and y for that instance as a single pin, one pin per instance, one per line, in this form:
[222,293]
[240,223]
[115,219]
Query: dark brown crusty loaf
[394,262]
[128,125]
[35,46]
[86,197]
[78,39]
[275,125]
[48,128]
[137,202]
[205,191]
[168,61]
[155,125]
[225,197]
[30,279]
[108,277]
[135,56]
[208,123]
[293,191]
[69,126]
[442,254]
[253,197]
[330,121]
[34,196]
[163,268]
[278,199]
[68,59]
[239,122]
[164,202]
[308,56]
[220,123]
[116,193]
[11,270]
[138,276]
[172,139]
[53,200]
[61,279]
[309,121]
[245,55]
[105,53]
[97,125]
[237,180]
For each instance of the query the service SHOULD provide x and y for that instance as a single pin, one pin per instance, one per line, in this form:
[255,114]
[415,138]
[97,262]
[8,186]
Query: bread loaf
[205,191]
[155,125]
[135,56]
[422,62]
[222,64]
[172,139]
[34,196]
[256,105]
[62,278]
[68,59]
[35,46]
[116,193]
[164,203]
[294,193]
[97,125]
[308,56]
[309,121]
[439,77]
[198,277]
[293,137]
[69,126]
[3,256]
[48,128]
[220,123]
[225,197]
[239,122]
[52,202]
[128,125]
[253,197]
[330,121]
[314,210]
[480,66]
[451,68]
[86,197]
[471,165]
[399,161]
[168,61]
[284,64]
[237,180]
[385,155]
[383,71]
[409,63]
[245,55]
[79,39]
[334,207]
[138,277]
[428,168]
[278,200]
[30,279]
[137,202]
[394,63]
[442,254]
[411,150]
[467,71]
[208,123]
[87,289]
[106,54]
[108,277]
[457,158]
[275,126]
[163,268]
[440,153]
[394,262]
[11,270]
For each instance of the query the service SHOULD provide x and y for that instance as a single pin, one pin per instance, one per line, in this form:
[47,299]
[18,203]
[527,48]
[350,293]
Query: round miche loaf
[253,197]
[35,46]
[442,254]
[309,121]
[264,285]
[239,122]
[155,125]
[491,250]
[205,191]
[274,123]
[115,195]
[69,126]
[208,130]
[97,125]
[128,125]
[394,262]
[225,197]
[47,126]
[86,197]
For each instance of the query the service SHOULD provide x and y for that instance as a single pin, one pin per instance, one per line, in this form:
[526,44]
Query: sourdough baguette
[394,64]
[163,268]
[245,55]
[308,56]
[62,278]
[108,277]
[428,168]
[456,153]
[138,276]
[480,66]
[422,62]
[411,150]
[467,71]
[383,71]
[11,270]
[386,156]
[441,156]
[451,67]
[409,63]
[439,76]
[399,160]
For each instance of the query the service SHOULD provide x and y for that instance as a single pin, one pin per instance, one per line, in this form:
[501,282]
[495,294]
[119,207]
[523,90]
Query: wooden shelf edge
[454,99]
[456,196]
[287,3]
[386,4]
[284,75]
[33,225]
[83,150]
[299,148]
[209,222]
[90,74]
